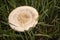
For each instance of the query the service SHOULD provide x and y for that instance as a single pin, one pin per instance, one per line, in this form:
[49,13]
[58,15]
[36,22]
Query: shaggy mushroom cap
[22,18]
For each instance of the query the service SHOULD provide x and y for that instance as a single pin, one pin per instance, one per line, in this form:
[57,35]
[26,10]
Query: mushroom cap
[22,18]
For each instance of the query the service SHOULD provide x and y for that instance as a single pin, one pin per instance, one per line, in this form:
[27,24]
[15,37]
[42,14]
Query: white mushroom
[23,18]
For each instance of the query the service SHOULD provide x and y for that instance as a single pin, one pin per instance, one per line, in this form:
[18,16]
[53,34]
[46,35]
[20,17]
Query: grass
[48,27]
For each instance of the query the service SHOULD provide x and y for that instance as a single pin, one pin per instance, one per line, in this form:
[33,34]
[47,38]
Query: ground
[48,27]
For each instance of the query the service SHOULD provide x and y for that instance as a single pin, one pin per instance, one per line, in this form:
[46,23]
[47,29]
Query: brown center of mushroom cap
[23,18]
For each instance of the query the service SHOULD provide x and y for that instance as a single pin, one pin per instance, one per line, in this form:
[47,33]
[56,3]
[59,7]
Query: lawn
[48,27]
